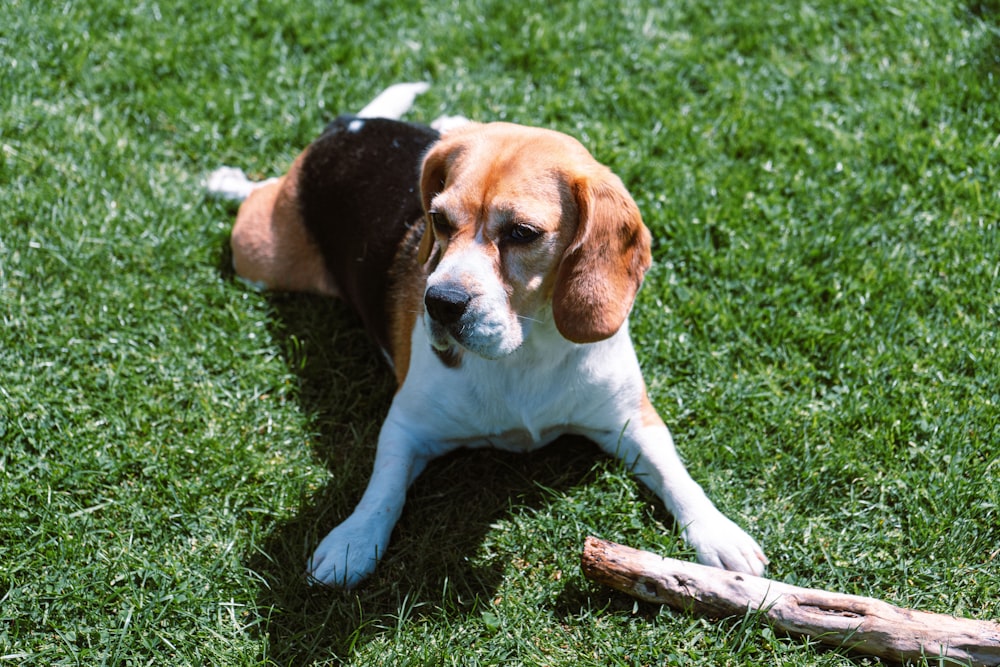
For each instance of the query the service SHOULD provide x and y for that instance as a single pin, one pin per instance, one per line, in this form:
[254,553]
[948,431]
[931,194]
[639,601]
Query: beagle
[495,266]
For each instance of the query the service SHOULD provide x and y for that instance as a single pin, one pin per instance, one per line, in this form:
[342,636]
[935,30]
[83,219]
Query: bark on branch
[861,624]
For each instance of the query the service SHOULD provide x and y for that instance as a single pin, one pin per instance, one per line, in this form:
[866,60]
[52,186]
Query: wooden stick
[861,624]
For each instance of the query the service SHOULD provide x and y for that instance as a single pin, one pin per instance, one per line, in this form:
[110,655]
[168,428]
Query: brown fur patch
[270,244]
[405,301]
[603,269]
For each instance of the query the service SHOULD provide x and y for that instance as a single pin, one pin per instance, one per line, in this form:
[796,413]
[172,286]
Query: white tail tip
[394,101]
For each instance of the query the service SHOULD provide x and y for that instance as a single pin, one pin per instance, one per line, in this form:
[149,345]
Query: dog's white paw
[232,184]
[228,183]
[721,543]
[346,556]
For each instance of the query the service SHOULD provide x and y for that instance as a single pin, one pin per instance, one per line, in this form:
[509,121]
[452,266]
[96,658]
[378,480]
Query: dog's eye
[521,233]
[440,222]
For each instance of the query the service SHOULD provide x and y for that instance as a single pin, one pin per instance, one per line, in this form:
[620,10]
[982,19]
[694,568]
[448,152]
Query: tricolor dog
[495,265]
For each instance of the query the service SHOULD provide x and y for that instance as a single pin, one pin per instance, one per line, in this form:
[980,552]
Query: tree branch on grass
[861,624]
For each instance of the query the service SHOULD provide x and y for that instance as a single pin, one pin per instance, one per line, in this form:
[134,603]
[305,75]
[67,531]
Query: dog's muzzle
[474,321]
[446,305]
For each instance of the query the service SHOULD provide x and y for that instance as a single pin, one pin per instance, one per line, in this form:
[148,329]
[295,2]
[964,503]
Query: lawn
[820,327]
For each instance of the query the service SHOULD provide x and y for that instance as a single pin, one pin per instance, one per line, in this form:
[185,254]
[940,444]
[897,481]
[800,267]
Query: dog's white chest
[524,401]
[516,440]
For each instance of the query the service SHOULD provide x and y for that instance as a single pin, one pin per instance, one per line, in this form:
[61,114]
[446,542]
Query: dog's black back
[359,192]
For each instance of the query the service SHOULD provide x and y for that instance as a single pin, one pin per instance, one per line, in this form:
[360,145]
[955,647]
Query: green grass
[820,327]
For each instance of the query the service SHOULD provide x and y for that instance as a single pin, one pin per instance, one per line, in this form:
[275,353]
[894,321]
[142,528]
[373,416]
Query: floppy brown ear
[603,267]
[433,179]
[426,242]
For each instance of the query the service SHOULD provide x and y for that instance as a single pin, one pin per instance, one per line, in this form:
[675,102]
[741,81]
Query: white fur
[232,184]
[394,101]
[546,388]
[445,124]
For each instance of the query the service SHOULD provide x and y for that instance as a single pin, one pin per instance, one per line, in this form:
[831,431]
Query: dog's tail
[394,101]
[232,184]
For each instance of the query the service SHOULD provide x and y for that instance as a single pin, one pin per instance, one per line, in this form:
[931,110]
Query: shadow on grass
[431,566]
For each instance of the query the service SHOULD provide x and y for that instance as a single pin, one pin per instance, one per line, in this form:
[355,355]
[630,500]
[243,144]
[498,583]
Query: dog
[495,265]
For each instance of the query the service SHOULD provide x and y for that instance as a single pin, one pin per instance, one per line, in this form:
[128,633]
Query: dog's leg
[648,449]
[271,247]
[350,552]
[232,184]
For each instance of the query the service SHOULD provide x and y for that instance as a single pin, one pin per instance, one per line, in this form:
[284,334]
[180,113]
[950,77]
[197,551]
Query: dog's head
[522,219]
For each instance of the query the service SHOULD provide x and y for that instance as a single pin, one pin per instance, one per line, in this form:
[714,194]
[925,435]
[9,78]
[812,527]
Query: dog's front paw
[721,543]
[347,555]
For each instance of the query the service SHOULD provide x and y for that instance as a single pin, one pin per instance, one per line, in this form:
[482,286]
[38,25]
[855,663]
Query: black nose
[446,304]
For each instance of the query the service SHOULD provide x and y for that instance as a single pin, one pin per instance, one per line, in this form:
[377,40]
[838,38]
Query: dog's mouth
[489,340]
[446,307]
[441,339]
[455,318]
[449,340]
[447,349]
